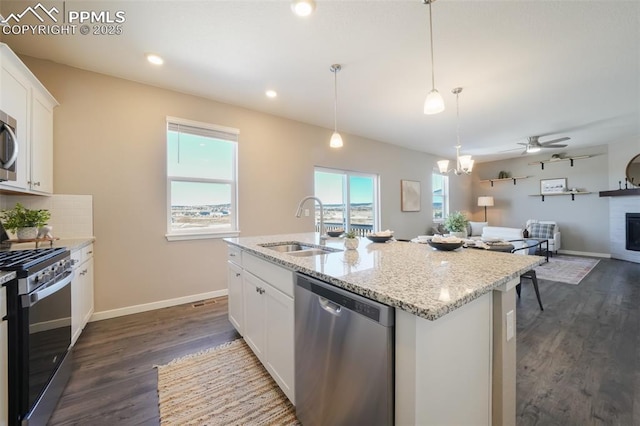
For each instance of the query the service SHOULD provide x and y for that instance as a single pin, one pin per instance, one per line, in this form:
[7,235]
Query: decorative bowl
[335,233]
[377,239]
[446,246]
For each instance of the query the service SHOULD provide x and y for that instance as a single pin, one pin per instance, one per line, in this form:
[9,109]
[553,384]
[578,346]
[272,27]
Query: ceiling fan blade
[554,146]
[555,140]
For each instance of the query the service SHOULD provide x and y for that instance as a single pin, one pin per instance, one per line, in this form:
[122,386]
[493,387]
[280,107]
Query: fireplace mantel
[620,192]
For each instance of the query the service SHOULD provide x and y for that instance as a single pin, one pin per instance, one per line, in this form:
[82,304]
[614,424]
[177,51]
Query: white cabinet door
[279,341]
[234,282]
[87,291]
[41,179]
[14,100]
[254,324]
[4,391]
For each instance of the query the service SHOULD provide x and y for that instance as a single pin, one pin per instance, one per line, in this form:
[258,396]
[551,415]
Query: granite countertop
[69,243]
[409,276]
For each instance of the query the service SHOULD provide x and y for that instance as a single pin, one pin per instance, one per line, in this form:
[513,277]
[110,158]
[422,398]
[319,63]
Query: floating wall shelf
[570,159]
[514,179]
[573,194]
[620,192]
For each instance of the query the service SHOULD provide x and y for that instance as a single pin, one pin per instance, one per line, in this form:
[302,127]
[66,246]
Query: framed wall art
[553,186]
[410,196]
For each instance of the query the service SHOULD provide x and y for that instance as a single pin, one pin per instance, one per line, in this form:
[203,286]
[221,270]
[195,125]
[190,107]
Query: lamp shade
[443,166]
[485,201]
[434,103]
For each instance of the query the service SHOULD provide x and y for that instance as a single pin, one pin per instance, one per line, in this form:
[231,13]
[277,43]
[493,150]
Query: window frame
[194,233]
[346,187]
[445,197]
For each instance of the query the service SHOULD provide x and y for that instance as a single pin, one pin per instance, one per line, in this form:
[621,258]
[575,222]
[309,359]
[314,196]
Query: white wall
[584,223]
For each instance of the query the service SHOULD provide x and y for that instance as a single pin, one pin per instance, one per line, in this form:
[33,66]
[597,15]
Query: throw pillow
[542,230]
[476,228]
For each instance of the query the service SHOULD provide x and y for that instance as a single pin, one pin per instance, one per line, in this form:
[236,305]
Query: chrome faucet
[323,235]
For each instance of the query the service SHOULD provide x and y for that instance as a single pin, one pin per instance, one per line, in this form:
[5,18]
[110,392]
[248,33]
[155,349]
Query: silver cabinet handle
[237,274]
[232,254]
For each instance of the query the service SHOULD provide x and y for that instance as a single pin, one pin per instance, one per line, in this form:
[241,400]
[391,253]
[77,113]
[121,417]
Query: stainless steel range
[39,328]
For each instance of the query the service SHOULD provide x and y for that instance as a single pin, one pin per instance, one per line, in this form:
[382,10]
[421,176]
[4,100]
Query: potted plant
[351,240]
[23,221]
[456,224]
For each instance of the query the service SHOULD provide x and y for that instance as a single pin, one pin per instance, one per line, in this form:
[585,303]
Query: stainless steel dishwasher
[344,356]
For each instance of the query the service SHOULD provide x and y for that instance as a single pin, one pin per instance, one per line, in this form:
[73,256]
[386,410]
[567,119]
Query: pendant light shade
[434,102]
[336,139]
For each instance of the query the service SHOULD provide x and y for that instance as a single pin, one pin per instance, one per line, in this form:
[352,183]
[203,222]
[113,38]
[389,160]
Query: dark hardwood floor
[578,360]
[114,381]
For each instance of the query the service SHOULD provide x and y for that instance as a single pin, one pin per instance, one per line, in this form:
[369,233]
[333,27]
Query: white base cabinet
[267,311]
[81,291]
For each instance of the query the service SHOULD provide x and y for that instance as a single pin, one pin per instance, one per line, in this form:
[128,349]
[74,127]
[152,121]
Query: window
[350,200]
[201,180]
[440,196]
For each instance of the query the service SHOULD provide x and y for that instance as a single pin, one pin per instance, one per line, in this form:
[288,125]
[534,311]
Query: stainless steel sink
[284,248]
[299,249]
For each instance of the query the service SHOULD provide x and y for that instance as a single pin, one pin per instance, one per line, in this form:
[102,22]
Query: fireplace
[633,231]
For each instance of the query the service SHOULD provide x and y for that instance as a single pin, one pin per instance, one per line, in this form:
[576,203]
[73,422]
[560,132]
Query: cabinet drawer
[234,254]
[277,276]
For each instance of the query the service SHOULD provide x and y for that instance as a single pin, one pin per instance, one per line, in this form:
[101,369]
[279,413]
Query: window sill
[201,236]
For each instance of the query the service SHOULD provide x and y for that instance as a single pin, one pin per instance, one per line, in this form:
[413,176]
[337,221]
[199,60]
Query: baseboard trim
[136,309]
[585,253]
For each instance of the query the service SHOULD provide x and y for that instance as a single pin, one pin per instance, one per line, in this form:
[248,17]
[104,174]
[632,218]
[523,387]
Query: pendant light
[336,139]
[434,102]
[464,163]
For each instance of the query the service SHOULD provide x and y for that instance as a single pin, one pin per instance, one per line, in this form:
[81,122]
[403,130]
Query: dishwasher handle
[332,308]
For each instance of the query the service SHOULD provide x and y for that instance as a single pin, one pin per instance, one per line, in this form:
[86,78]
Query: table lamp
[485,201]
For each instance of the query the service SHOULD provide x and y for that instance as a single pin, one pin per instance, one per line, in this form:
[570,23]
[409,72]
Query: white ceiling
[549,68]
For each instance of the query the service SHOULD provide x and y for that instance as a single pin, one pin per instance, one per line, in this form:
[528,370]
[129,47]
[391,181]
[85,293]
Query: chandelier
[464,163]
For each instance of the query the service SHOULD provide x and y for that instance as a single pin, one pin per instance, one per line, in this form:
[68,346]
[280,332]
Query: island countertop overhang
[408,276]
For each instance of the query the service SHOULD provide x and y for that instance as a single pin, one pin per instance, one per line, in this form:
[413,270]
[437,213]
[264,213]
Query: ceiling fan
[533,145]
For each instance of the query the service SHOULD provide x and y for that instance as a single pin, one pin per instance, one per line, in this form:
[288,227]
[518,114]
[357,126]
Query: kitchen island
[455,319]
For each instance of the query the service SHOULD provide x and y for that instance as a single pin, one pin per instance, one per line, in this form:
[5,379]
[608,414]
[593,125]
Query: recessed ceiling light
[271,94]
[303,7]
[154,59]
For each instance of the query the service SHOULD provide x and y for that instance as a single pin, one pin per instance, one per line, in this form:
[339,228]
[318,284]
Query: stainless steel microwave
[8,147]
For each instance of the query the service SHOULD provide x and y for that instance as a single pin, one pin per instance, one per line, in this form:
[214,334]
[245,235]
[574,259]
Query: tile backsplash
[71,215]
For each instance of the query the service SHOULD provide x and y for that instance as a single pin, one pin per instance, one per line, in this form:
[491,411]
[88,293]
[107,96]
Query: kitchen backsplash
[71,215]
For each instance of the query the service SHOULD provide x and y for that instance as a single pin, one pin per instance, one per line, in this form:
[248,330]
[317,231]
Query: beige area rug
[566,269]
[226,385]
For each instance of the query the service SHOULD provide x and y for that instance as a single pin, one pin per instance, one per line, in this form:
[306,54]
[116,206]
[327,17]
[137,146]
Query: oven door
[45,320]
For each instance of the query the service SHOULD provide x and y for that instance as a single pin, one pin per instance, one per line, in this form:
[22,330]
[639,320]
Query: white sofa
[554,238]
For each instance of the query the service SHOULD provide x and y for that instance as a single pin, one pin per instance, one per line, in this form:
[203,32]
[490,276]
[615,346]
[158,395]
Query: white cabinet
[81,290]
[24,98]
[234,284]
[261,309]
[4,392]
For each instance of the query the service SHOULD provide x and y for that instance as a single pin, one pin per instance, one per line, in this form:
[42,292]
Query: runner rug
[566,269]
[226,385]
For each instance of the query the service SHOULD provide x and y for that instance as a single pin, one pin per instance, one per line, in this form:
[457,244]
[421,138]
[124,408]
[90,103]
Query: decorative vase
[459,234]
[351,243]
[28,233]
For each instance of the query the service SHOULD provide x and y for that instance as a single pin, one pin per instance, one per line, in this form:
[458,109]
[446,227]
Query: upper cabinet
[24,98]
